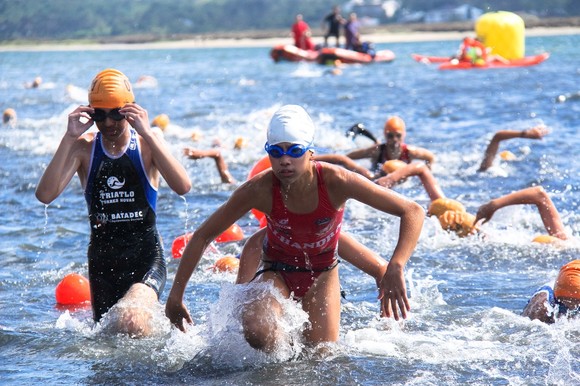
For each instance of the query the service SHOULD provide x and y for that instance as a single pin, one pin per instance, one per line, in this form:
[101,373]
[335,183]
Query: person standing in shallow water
[119,167]
[304,202]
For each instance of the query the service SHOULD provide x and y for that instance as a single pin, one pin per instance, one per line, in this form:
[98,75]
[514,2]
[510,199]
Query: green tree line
[98,19]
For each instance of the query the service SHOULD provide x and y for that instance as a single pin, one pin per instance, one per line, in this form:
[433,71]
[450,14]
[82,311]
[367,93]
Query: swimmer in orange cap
[394,148]
[549,303]
[9,117]
[537,132]
[534,196]
[119,167]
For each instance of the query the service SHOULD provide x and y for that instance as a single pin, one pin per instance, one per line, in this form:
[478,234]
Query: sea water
[466,294]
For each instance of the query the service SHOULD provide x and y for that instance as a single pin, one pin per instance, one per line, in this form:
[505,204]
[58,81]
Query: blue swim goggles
[294,151]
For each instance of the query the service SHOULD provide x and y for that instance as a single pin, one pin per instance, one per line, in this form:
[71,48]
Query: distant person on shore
[302,34]
[560,300]
[331,25]
[304,202]
[537,132]
[352,33]
[119,167]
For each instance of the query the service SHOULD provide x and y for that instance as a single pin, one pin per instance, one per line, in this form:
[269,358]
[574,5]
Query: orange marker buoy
[179,245]
[73,289]
[226,264]
[233,233]
[261,165]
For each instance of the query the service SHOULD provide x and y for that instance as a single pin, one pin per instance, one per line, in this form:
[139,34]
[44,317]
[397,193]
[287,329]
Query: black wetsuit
[125,247]
[333,21]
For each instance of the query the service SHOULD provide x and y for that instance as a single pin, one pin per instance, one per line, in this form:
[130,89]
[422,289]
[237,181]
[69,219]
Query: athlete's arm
[533,133]
[172,171]
[68,157]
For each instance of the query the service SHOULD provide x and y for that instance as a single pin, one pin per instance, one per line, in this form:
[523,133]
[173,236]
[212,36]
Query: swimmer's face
[394,138]
[110,122]
[289,161]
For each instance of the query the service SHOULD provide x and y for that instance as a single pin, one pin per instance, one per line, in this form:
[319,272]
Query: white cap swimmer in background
[292,124]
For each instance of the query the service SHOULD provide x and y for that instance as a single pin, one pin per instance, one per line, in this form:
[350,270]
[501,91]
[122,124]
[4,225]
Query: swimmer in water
[304,202]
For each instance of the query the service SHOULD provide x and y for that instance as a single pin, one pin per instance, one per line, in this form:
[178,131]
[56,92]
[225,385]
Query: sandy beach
[221,42]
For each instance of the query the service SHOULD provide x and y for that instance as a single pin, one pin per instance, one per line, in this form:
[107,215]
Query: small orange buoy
[226,264]
[233,233]
[179,245]
[73,289]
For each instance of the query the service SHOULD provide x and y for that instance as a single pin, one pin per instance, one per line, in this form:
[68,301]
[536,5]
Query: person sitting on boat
[365,48]
[301,34]
[474,51]
[561,299]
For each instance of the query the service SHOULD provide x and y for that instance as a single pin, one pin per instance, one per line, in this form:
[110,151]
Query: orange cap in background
[395,124]
[568,281]
[462,223]
[110,89]
[441,205]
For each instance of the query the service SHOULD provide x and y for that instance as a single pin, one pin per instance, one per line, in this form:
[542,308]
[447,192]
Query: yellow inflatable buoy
[503,32]
[441,205]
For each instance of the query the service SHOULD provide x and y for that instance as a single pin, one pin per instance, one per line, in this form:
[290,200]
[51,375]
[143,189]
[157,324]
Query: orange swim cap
[568,281]
[110,89]
[458,222]
[9,115]
[395,124]
[227,264]
[546,239]
[393,165]
[161,121]
[441,205]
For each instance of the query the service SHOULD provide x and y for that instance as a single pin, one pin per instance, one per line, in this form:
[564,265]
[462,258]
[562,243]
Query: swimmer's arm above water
[533,133]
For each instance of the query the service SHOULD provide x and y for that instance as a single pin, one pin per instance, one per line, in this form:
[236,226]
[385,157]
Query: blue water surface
[466,294]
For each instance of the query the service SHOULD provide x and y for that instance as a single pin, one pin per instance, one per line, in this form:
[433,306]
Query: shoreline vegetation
[392,33]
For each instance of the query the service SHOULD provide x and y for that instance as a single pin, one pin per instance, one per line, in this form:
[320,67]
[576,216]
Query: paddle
[359,128]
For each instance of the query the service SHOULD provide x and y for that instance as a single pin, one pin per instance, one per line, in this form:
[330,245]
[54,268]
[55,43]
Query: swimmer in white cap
[304,202]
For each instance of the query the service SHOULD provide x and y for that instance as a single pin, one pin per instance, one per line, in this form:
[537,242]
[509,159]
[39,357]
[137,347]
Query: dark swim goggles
[100,115]
[294,151]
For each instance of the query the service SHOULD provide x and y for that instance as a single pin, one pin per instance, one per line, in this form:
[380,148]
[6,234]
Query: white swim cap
[292,124]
